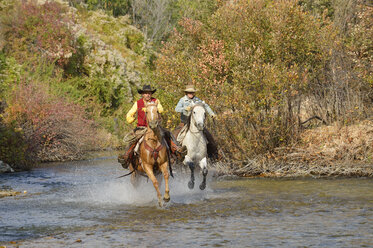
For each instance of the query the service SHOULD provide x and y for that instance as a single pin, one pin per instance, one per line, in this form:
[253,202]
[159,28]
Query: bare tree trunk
[152,17]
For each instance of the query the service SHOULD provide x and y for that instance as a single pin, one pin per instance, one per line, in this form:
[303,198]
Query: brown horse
[153,154]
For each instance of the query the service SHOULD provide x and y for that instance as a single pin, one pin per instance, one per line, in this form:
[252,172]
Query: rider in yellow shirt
[133,137]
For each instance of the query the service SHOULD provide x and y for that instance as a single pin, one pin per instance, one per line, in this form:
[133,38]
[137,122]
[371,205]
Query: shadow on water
[82,203]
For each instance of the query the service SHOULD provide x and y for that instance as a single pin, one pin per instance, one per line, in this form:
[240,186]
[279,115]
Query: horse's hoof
[202,186]
[160,203]
[166,197]
[191,185]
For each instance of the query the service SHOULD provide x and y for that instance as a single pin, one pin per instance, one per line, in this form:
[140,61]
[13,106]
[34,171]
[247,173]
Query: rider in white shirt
[184,106]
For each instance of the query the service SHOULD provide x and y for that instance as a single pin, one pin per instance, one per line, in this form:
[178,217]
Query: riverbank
[282,170]
[327,151]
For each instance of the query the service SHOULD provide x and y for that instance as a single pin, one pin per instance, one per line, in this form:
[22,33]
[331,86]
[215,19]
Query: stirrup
[180,155]
[176,148]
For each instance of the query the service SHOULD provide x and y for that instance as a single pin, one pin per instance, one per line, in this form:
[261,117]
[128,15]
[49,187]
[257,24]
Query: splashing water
[121,191]
[84,204]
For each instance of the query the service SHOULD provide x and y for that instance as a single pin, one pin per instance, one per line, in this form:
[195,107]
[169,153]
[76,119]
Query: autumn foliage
[269,69]
[39,29]
[53,128]
[265,67]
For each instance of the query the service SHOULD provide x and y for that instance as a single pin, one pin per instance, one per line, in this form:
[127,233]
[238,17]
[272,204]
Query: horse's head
[198,116]
[152,115]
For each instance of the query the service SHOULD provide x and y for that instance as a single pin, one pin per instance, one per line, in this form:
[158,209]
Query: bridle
[192,119]
[153,151]
[157,121]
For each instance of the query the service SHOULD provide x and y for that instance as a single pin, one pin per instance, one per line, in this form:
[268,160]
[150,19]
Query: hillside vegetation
[67,78]
[291,81]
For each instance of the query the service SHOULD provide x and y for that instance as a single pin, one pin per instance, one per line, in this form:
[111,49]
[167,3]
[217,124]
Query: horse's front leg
[149,171]
[203,165]
[188,161]
[164,169]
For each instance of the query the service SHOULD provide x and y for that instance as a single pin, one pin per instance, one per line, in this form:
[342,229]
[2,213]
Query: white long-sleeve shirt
[184,102]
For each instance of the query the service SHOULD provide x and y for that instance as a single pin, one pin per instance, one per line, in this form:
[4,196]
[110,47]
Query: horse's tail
[165,143]
[169,160]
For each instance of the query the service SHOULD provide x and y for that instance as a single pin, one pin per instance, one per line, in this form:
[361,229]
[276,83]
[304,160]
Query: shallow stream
[82,204]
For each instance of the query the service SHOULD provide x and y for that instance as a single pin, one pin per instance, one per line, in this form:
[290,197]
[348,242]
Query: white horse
[196,143]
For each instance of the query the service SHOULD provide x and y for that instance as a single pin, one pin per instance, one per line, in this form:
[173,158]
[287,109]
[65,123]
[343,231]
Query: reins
[127,174]
[155,151]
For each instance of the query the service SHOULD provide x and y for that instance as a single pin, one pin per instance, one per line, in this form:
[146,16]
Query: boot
[179,151]
[125,158]
[212,146]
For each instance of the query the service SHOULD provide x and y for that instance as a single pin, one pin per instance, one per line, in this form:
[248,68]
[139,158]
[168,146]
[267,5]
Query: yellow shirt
[130,117]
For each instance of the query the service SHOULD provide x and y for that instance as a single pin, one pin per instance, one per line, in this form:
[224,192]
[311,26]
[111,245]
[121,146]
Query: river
[83,204]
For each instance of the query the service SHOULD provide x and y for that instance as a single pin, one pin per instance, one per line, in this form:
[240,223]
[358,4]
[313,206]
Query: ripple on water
[84,201]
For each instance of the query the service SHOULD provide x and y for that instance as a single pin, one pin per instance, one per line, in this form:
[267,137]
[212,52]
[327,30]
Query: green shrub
[9,74]
[75,64]
[116,7]
[13,147]
[135,41]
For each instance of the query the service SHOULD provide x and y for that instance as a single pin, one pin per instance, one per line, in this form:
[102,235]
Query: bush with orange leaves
[53,128]
[257,63]
[251,61]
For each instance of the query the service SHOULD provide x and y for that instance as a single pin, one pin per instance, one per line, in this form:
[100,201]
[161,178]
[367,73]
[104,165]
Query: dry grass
[336,144]
[327,151]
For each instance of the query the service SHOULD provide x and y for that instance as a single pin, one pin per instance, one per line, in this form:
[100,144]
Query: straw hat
[190,88]
[146,88]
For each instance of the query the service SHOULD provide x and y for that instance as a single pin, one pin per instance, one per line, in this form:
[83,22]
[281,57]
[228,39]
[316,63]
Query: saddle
[212,147]
[181,135]
[131,156]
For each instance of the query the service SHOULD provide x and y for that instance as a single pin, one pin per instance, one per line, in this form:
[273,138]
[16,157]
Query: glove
[144,109]
[188,108]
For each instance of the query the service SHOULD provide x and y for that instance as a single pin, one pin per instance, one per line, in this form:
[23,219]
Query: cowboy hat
[190,88]
[146,88]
